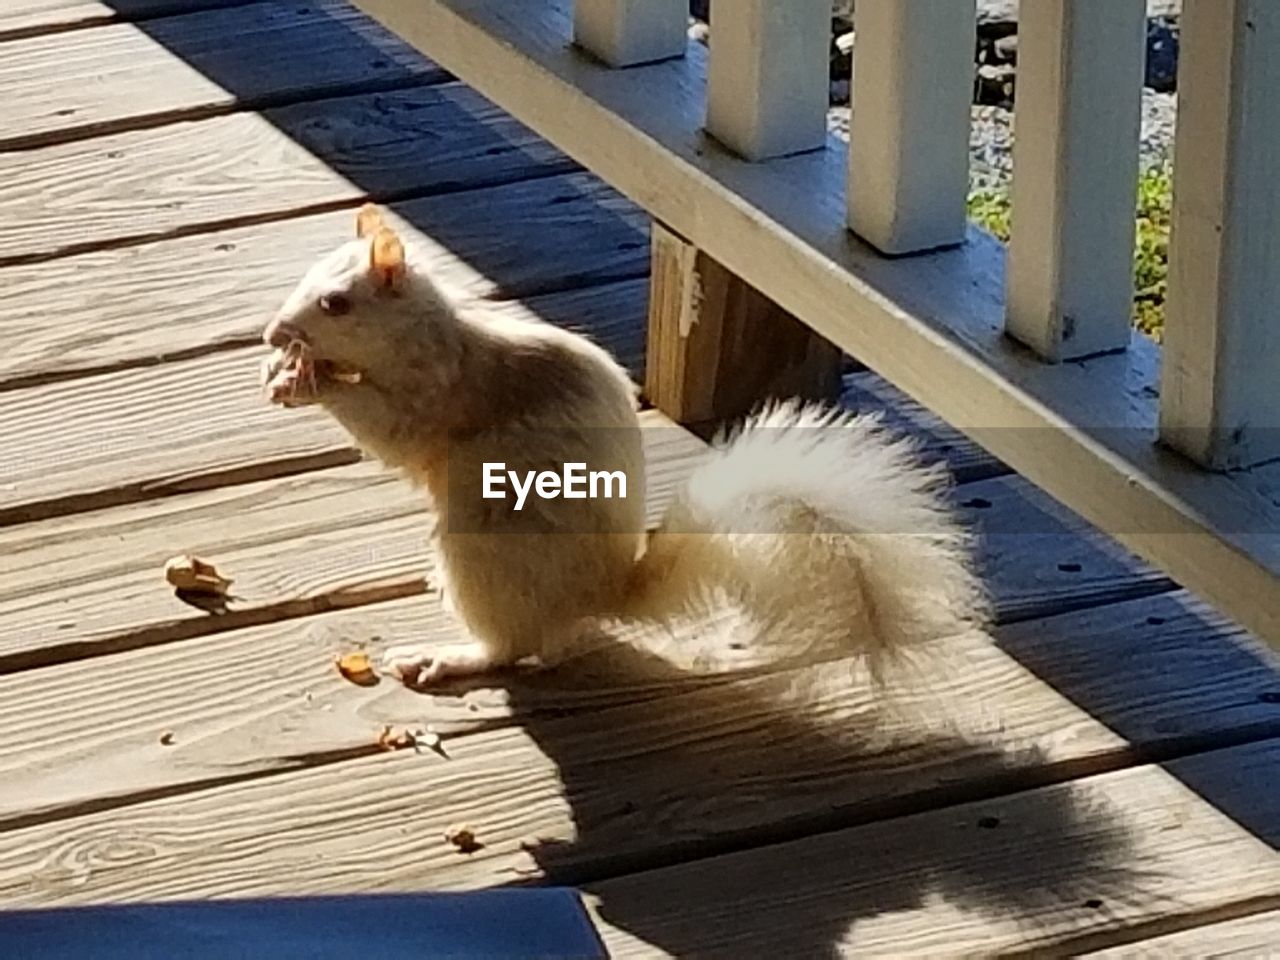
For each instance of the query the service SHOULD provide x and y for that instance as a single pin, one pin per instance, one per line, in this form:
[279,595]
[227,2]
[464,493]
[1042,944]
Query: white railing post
[1220,395]
[1075,171]
[624,33]
[909,134]
[767,88]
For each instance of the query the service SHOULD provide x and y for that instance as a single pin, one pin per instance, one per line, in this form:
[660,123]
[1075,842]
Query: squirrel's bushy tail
[824,531]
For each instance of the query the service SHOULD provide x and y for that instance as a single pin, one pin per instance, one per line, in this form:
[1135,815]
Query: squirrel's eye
[335,304]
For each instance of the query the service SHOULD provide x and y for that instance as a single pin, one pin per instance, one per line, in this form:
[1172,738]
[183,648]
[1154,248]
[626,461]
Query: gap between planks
[143,434]
[645,782]
[1248,936]
[189,297]
[173,181]
[1056,871]
[93,583]
[23,19]
[195,66]
[369,538]
[89,584]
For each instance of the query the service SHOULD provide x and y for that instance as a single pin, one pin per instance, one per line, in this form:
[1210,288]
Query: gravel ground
[991,138]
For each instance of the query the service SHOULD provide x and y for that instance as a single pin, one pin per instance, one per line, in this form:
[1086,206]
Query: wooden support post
[1075,174]
[909,135]
[717,347]
[767,88]
[1220,395]
[623,33]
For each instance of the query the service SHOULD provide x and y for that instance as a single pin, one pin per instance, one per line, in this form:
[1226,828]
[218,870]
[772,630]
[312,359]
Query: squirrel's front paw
[420,665]
[289,377]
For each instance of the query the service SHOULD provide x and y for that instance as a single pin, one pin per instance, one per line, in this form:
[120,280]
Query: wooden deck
[1102,775]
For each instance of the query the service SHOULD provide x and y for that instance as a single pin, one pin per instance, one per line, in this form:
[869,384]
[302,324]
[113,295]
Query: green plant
[992,210]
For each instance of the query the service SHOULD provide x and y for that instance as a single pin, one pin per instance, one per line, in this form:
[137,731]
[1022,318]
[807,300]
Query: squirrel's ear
[386,257]
[368,220]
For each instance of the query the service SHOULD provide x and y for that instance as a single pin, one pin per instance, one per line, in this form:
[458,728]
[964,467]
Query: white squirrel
[830,533]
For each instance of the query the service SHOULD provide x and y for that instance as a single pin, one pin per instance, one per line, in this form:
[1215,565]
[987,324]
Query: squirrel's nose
[279,334]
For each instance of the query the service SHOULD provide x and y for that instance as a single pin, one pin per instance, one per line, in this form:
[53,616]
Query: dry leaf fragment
[193,575]
[463,837]
[358,668]
[392,739]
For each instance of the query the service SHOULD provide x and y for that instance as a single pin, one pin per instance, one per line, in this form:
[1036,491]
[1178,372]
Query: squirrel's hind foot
[422,665]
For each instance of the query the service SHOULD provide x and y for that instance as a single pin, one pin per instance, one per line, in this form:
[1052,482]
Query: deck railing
[1031,353]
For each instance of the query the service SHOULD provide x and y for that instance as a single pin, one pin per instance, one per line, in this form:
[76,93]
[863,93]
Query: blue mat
[524,923]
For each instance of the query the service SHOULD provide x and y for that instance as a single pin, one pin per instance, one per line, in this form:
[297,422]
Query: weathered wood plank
[92,582]
[185,177]
[646,782]
[178,297]
[1249,937]
[149,432]
[118,436]
[73,85]
[26,18]
[1041,559]
[717,347]
[121,437]
[1050,871]
[864,391]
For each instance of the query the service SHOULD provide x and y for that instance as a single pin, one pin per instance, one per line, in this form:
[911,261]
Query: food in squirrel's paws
[358,668]
[292,376]
[193,575]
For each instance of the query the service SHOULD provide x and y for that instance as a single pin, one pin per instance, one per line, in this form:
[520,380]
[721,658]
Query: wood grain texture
[90,583]
[1248,938]
[93,582]
[189,177]
[665,773]
[1040,559]
[120,436]
[73,85]
[717,347]
[26,18]
[176,297]
[1047,872]
[154,431]
[930,324]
